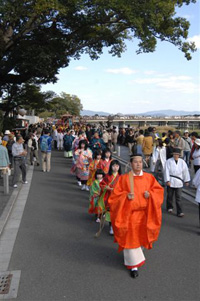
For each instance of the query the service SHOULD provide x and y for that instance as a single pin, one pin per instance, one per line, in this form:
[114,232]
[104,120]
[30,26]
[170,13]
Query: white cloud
[141,102]
[149,72]
[125,70]
[80,68]
[181,84]
[195,39]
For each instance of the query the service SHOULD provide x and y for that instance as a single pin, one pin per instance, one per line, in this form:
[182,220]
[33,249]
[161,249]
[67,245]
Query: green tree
[65,103]
[27,96]
[38,37]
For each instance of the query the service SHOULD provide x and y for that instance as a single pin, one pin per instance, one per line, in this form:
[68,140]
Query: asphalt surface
[60,259]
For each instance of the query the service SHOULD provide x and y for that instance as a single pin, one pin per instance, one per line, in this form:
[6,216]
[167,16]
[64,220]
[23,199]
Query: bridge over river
[189,122]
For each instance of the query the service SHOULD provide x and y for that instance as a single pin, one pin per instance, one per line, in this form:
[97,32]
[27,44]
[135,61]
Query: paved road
[60,259]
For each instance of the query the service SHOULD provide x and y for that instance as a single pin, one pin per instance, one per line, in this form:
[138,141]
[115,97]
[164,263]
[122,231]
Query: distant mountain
[160,113]
[169,113]
[92,113]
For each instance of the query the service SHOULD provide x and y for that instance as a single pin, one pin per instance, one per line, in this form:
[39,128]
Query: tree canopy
[65,103]
[27,96]
[38,37]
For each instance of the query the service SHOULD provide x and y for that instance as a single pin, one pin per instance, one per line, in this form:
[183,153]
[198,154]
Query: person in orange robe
[135,211]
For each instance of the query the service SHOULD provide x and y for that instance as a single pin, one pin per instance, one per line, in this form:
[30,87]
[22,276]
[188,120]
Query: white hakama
[133,257]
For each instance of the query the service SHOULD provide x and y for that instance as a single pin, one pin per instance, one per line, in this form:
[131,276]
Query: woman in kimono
[106,160]
[95,191]
[107,186]
[94,165]
[83,157]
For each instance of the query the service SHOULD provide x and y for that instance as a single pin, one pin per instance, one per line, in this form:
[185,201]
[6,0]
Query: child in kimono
[106,160]
[95,191]
[94,165]
[107,185]
[83,157]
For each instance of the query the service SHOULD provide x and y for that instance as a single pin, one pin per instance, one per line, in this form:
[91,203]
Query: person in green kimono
[95,192]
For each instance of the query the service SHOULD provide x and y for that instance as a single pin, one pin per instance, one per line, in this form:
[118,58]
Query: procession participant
[95,191]
[175,174]
[107,185]
[83,157]
[19,155]
[76,141]
[106,159]
[135,211]
[94,165]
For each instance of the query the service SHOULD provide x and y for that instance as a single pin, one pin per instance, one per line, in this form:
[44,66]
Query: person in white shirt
[60,140]
[196,183]
[158,160]
[175,174]
[196,155]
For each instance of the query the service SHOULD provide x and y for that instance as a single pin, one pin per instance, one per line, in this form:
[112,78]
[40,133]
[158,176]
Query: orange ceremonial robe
[136,222]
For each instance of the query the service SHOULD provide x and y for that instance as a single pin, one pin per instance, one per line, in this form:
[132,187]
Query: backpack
[44,144]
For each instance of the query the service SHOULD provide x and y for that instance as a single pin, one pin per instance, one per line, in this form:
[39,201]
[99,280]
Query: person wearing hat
[187,147]
[19,155]
[196,155]
[175,174]
[135,212]
[5,138]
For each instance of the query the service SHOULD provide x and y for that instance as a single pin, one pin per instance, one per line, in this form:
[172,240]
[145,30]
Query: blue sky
[134,83]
